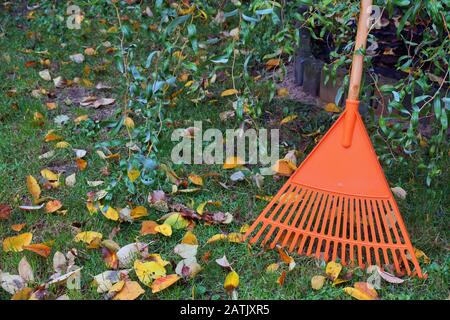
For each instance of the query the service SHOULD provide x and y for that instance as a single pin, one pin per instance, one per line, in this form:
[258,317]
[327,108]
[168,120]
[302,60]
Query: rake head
[338,205]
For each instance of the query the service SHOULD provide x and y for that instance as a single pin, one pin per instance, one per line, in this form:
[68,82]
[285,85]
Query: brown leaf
[110,258]
[39,248]
[148,227]
[5,211]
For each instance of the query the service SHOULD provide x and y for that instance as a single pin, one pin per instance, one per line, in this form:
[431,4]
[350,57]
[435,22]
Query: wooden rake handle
[351,109]
[360,44]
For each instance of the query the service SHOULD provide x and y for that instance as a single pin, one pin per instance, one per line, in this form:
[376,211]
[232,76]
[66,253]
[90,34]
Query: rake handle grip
[352,103]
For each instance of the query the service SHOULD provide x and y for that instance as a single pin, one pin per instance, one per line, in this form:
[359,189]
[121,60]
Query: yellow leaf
[195,179]
[176,221]
[202,206]
[131,290]
[164,229]
[81,118]
[164,282]
[244,228]
[317,282]
[231,281]
[51,105]
[235,237]
[133,174]
[233,162]
[357,294]
[17,243]
[129,123]
[148,271]
[331,107]
[33,188]
[157,258]
[91,207]
[288,119]
[62,145]
[333,269]
[88,236]
[49,175]
[272,267]
[284,167]
[420,254]
[138,212]
[110,213]
[228,92]
[283,92]
[189,238]
[217,237]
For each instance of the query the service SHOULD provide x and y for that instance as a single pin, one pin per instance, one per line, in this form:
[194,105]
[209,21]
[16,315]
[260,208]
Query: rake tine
[287,219]
[311,215]
[317,222]
[338,225]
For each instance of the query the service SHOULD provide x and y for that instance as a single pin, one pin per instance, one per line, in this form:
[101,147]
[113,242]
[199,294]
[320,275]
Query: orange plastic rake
[338,203]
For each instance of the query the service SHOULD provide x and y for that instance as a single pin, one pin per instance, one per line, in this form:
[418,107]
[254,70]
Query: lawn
[22,134]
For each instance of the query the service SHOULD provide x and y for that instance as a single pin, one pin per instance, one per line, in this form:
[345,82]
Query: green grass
[21,142]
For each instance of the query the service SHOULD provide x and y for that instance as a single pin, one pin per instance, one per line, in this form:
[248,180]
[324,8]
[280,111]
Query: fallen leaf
[25,270]
[148,227]
[223,262]
[235,237]
[165,229]
[77,58]
[51,136]
[88,236]
[231,281]
[53,206]
[195,179]
[33,188]
[282,278]
[189,238]
[5,211]
[389,277]
[228,92]
[233,162]
[237,176]
[110,258]
[39,248]
[188,267]
[164,282]
[71,180]
[11,283]
[284,167]
[133,174]
[283,92]
[109,212]
[216,237]
[45,74]
[317,282]
[51,105]
[186,250]
[331,107]
[272,267]
[139,212]
[148,271]
[81,164]
[23,294]
[131,290]
[333,269]
[361,291]
[272,63]
[399,192]
[128,253]
[176,221]
[288,119]
[286,258]
[16,243]
[421,255]
[18,227]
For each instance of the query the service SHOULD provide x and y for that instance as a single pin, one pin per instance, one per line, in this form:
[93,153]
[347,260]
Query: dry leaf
[272,267]
[53,206]
[138,212]
[33,188]
[331,107]
[45,74]
[131,290]
[5,211]
[148,227]
[195,179]
[288,119]
[148,271]
[17,243]
[133,174]
[25,270]
[281,278]
[228,92]
[88,236]
[284,167]
[231,281]
[317,282]
[165,229]
[189,238]
[39,248]
[399,192]
[333,269]
[164,282]
[233,162]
